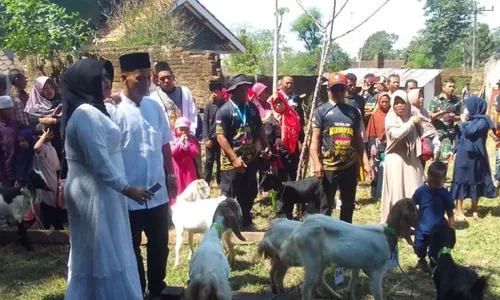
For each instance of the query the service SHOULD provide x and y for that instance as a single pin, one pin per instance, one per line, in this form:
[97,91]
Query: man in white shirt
[145,142]
[176,101]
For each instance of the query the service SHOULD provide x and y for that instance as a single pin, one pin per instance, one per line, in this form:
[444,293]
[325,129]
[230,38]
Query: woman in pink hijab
[260,99]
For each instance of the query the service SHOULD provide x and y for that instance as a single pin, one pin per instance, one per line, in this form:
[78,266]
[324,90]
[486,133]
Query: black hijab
[83,85]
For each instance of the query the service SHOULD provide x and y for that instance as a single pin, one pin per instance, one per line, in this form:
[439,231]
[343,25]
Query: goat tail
[264,250]
[479,287]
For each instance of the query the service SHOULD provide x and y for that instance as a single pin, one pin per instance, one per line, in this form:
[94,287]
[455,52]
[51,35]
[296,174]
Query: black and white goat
[15,202]
[453,282]
[308,190]
[321,242]
[209,268]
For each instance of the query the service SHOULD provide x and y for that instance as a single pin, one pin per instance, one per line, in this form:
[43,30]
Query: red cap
[337,78]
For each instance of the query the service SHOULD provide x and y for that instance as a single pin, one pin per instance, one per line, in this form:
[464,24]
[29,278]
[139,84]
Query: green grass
[41,274]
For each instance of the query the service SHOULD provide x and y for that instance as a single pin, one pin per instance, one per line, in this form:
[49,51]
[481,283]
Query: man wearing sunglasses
[337,144]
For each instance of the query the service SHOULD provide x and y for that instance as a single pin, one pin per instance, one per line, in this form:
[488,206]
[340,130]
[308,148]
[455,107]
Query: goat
[322,241]
[453,282]
[307,190]
[209,268]
[15,201]
[193,212]
[270,246]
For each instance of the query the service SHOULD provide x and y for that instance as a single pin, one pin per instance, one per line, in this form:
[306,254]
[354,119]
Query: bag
[61,203]
[427,149]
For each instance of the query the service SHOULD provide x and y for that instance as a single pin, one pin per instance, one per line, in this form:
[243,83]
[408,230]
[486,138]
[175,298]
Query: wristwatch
[171,176]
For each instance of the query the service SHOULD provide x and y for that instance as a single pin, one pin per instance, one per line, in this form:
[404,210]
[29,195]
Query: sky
[402,17]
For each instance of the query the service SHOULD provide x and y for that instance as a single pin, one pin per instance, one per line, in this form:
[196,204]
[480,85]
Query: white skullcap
[6,102]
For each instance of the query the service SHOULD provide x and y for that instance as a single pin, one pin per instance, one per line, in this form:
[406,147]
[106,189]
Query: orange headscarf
[289,122]
[376,125]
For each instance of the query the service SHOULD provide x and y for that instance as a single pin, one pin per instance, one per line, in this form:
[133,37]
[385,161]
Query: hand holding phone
[155,188]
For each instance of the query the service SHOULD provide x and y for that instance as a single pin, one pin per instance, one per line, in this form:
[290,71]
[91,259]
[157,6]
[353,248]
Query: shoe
[423,267]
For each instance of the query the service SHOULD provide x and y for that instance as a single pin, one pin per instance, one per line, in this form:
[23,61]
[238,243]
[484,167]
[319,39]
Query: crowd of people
[125,157]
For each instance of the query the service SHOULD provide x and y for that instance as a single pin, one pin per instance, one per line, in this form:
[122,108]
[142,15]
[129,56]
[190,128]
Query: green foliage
[307,30]
[42,29]
[496,39]
[447,20]
[419,53]
[379,42]
[258,58]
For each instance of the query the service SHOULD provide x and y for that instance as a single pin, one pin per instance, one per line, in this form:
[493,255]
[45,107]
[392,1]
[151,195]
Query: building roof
[389,64]
[422,76]
[230,42]
[6,62]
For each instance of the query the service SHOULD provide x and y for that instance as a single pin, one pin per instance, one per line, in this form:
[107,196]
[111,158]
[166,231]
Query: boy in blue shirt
[433,201]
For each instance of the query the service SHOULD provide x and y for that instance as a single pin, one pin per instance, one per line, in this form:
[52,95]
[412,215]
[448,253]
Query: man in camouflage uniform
[444,111]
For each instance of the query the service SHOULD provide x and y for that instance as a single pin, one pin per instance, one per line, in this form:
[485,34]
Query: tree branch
[339,12]
[318,23]
[363,22]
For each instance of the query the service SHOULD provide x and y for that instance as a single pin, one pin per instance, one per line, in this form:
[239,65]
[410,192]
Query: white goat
[209,268]
[14,202]
[270,246]
[193,212]
[321,242]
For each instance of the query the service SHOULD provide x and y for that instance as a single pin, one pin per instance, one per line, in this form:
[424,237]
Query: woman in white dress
[102,264]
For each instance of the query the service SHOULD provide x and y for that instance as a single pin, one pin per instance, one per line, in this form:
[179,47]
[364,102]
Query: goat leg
[226,237]
[280,276]
[376,283]
[272,273]
[191,246]
[352,282]
[178,244]
[326,287]
[311,277]
[23,236]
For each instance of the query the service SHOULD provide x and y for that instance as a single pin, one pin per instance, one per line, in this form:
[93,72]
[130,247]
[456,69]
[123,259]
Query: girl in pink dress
[184,149]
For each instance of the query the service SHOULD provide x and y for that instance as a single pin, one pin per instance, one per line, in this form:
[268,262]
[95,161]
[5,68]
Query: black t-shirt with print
[338,124]
[241,139]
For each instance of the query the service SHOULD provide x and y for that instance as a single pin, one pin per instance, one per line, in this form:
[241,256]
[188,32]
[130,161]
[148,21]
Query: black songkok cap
[134,61]
[215,85]
[162,66]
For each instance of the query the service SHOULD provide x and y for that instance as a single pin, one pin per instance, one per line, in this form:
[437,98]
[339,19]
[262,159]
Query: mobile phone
[155,188]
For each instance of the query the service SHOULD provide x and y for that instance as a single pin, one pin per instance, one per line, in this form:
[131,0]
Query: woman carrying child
[184,149]
[471,173]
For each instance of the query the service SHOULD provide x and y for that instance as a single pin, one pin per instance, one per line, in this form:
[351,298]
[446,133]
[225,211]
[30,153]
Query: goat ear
[235,226]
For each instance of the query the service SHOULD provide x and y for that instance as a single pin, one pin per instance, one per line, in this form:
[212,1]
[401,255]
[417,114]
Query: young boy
[212,148]
[433,201]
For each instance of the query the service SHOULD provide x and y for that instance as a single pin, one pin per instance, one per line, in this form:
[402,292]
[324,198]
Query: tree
[258,57]
[307,30]
[419,54]
[446,22]
[44,31]
[378,42]
[496,39]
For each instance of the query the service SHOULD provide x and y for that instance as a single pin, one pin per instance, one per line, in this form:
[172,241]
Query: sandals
[422,267]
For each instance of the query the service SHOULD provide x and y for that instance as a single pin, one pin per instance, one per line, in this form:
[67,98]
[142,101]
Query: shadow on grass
[239,281]
[243,265]
[54,297]
[493,210]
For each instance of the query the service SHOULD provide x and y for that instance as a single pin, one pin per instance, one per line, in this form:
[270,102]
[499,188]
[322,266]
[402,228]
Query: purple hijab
[37,105]
[263,106]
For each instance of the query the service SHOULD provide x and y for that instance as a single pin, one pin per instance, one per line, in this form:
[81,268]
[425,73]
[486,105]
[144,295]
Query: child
[9,132]
[47,161]
[24,157]
[212,148]
[184,149]
[433,201]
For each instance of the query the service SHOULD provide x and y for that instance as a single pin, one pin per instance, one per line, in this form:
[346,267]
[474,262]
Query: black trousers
[212,156]
[346,182]
[52,216]
[154,223]
[242,187]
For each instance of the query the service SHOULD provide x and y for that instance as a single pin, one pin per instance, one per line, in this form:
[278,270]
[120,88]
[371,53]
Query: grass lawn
[41,274]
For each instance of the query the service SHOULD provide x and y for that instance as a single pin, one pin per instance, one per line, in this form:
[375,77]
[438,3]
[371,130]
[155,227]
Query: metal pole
[474,40]
[276,40]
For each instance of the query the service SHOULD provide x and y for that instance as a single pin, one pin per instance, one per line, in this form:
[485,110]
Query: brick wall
[192,69]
